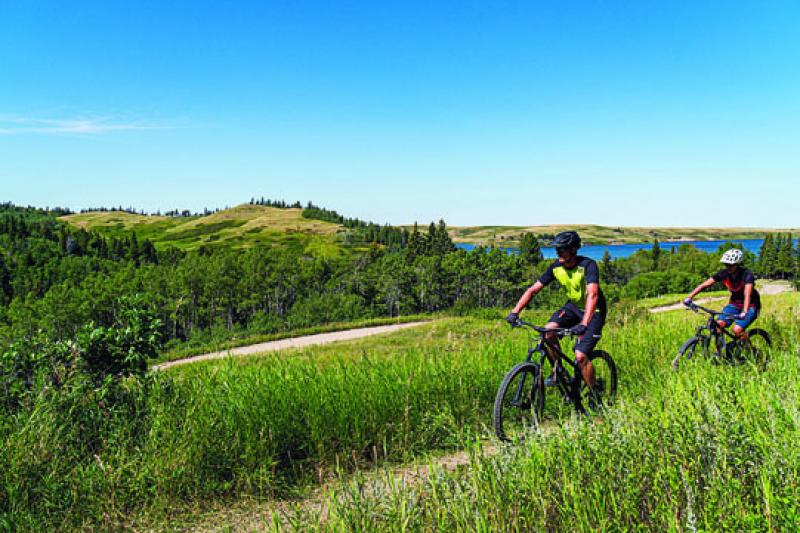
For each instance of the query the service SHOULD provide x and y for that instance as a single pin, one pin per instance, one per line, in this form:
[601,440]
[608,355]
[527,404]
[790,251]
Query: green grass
[708,448]
[269,426]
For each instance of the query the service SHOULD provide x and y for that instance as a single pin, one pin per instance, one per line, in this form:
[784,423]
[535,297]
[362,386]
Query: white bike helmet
[732,257]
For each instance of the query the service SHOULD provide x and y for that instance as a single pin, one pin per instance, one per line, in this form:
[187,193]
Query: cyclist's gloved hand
[513,319]
[578,330]
[742,315]
[687,301]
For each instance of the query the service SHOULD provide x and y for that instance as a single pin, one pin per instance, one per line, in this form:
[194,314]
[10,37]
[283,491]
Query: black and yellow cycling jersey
[574,281]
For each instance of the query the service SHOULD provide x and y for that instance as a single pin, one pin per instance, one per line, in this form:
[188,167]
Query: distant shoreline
[606,235]
[597,251]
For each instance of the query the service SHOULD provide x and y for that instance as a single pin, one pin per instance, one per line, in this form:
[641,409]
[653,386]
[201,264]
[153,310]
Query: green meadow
[706,447]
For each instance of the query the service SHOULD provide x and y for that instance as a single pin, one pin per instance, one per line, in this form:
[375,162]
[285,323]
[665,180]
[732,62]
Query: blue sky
[618,113]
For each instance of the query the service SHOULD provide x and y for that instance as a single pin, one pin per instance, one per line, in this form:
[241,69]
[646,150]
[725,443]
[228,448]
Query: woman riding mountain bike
[745,302]
[584,313]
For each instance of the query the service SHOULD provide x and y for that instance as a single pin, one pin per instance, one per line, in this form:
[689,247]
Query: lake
[625,250]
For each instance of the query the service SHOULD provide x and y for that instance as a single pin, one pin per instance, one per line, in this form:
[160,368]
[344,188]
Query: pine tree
[785,257]
[148,252]
[530,250]
[608,273]
[766,256]
[414,245]
[5,282]
[656,253]
[441,243]
[133,248]
[431,239]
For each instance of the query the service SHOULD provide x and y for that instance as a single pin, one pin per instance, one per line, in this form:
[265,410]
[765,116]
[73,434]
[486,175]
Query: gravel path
[293,342]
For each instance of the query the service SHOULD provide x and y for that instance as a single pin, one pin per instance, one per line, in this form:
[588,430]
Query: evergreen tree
[148,252]
[62,240]
[416,244]
[133,248]
[530,250]
[766,259]
[785,257]
[5,282]
[656,253]
[441,243]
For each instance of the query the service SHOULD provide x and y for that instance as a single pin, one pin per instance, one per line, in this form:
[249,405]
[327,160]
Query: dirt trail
[293,342]
[772,287]
[249,514]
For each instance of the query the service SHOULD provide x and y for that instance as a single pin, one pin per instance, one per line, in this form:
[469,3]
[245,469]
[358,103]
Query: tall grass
[266,425]
[707,448]
[262,425]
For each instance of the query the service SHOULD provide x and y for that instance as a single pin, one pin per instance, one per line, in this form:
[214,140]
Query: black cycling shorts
[566,318]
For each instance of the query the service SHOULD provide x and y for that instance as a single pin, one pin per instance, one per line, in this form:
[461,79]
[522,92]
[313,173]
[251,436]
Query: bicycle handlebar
[561,332]
[694,307]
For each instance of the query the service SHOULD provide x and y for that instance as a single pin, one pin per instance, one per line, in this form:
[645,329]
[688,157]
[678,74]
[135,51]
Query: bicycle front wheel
[519,402]
[697,345]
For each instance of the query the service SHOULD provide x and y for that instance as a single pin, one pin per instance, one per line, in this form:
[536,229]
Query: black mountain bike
[519,403]
[721,345]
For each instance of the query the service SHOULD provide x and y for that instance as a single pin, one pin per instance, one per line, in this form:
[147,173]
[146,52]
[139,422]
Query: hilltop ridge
[241,226]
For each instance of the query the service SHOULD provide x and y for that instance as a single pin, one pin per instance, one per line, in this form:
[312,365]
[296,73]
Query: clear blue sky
[623,113]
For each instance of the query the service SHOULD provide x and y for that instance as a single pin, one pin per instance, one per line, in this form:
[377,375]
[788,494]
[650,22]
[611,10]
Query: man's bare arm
[592,295]
[527,296]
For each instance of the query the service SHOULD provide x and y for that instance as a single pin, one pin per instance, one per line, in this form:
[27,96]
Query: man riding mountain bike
[584,313]
[745,302]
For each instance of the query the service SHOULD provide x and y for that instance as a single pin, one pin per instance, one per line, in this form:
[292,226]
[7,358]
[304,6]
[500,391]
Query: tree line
[54,279]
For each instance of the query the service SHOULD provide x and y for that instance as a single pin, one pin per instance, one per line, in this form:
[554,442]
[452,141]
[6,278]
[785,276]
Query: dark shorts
[566,318]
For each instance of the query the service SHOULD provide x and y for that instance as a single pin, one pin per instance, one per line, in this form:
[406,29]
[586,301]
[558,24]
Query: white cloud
[16,125]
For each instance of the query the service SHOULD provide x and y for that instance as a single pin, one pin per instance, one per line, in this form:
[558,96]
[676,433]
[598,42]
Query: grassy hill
[240,227]
[593,234]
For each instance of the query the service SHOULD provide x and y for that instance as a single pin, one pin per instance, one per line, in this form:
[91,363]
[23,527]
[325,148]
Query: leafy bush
[658,283]
[101,354]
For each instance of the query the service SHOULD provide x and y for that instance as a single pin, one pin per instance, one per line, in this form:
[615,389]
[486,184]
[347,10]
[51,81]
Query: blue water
[625,250]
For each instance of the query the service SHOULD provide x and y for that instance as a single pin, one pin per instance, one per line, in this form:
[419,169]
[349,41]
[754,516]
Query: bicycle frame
[715,331]
[542,350]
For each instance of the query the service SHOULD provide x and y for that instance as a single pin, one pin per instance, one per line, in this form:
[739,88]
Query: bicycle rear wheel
[519,402]
[605,377]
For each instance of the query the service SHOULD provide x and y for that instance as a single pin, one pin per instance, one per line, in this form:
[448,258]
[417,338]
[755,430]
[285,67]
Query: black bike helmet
[567,239]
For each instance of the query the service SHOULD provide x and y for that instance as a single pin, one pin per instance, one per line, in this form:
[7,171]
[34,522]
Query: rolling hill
[242,226]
